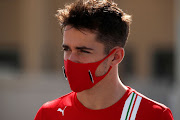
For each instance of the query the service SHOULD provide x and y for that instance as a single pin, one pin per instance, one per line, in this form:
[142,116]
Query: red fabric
[148,109]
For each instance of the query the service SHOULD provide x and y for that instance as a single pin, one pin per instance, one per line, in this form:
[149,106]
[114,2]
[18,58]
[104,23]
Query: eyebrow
[83,47]
[78,48]
[65,46]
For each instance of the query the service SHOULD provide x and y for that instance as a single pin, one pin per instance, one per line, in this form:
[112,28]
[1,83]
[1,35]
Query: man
[95,33]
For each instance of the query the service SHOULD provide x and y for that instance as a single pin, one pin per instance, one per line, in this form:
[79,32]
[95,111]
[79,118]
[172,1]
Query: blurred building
[31,37]
[30,43]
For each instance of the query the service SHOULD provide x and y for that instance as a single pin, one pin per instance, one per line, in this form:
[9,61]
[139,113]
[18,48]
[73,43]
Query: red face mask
[81,76]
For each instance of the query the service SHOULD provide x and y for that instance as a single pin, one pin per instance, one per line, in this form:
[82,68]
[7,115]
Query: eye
[84,51]
[65,49]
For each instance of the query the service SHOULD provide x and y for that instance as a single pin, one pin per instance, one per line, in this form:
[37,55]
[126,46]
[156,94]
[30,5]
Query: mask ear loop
[106,57]
[91,76]
[64,72]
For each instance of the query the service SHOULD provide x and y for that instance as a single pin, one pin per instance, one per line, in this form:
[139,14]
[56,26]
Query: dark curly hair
[103,17]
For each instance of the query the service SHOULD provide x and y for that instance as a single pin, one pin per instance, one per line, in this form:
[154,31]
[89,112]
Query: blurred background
[31,58]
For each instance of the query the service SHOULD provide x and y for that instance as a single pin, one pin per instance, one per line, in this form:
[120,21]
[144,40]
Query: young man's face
[82,47]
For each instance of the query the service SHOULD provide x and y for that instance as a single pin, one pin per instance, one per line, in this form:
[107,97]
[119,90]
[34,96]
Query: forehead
[83,37]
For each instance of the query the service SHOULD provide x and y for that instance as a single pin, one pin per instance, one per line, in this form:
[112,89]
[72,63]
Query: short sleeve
[167,115]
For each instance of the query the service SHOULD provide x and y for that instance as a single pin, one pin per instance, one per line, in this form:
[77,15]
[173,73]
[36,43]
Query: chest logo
[62,110]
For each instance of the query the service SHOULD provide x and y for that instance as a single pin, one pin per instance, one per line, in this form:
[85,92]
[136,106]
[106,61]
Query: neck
[103,94]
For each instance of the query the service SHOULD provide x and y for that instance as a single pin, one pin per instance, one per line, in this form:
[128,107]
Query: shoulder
[153,109]
[47,110]
[151,104]
[63,100]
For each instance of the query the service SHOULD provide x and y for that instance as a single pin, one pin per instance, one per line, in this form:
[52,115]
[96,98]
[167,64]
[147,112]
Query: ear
[118,56]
